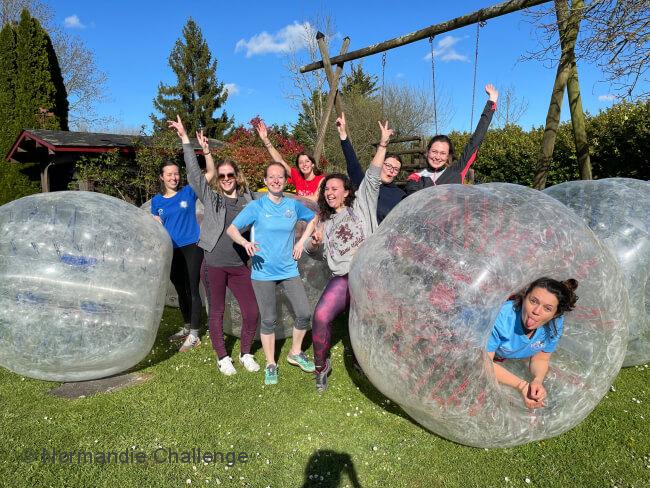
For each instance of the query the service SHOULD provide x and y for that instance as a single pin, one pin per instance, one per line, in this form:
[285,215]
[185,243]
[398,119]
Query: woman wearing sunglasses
[225,263]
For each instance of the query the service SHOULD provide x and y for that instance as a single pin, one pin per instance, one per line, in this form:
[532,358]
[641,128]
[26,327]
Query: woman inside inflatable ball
[530,326]
[426,289]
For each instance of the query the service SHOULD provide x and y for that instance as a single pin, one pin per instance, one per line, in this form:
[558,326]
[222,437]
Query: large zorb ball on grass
[83,278]
[426,289]
[618,211]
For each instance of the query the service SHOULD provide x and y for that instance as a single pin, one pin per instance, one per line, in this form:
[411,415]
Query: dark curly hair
[324,210]
[564,291]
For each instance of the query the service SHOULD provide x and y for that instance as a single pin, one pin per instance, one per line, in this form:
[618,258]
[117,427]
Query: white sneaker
[226,367]
[248,360]
[190,343]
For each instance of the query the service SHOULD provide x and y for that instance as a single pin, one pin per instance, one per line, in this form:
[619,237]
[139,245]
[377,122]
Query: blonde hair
[242,182]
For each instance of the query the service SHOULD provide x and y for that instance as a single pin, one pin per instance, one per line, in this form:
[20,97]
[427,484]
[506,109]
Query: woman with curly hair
[345,220]
[530,326]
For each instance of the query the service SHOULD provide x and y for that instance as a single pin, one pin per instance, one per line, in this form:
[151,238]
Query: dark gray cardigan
[215,208]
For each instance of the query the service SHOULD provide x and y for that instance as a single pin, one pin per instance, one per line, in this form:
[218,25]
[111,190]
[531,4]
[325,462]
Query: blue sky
[132,41]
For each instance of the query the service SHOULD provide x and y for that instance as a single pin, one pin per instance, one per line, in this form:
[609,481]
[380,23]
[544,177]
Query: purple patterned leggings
[334,300]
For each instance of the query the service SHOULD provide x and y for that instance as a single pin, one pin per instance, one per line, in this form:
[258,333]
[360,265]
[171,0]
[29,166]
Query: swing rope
[480,23]
[433,85]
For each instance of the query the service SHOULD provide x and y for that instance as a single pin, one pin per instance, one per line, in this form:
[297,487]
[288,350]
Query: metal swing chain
[383,85]
[481,23]
[433,85]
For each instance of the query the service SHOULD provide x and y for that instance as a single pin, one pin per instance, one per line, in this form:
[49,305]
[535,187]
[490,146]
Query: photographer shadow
[325,469]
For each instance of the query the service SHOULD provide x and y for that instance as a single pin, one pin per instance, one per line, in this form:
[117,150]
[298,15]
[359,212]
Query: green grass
[350,436]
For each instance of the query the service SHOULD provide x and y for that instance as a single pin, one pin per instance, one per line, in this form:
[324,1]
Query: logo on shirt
[160,211]
[289,213]
[183,204]
[537,345]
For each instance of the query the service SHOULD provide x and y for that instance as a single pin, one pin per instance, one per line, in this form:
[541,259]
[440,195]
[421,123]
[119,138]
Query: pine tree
[7,87]
[197,93]
[38,84]
[359,82]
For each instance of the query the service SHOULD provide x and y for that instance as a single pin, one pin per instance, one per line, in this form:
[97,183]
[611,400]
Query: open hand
[493,93]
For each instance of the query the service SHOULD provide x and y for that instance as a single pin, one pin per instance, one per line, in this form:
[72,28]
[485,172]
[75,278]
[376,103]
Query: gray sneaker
[190,343]
[321,378]
[180,335]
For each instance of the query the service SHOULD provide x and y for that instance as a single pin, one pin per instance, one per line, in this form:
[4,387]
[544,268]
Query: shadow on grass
[325,468]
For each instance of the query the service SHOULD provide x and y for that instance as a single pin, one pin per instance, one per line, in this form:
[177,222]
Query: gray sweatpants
[266,302]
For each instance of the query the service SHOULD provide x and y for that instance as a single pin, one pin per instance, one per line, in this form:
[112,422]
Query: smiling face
[305,165]
[335,193]
[438,155]
[538,307]
[170,177]
[389,170]
[227,178]
[275,179]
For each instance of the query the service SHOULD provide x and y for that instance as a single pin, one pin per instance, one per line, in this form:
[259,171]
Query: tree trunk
[568,25]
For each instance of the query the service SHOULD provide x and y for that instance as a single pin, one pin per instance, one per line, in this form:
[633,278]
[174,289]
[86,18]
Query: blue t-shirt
[178,214]
[509,341]
[274,232]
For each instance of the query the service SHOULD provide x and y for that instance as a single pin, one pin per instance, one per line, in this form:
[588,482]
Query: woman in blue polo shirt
[273,219]
[175,209]
[530,326]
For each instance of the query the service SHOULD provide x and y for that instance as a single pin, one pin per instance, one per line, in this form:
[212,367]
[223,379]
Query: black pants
[185,275]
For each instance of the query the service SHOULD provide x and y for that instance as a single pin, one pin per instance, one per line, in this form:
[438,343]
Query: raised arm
[355,172]
[194,174]
[468,155]
[264,136]
[380,155]
[210,169]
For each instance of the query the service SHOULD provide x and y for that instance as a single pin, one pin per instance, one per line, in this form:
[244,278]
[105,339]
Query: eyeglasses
[391,168]
[227,175]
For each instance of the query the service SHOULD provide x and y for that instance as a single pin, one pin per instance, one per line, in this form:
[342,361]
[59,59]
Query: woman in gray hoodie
[225,262]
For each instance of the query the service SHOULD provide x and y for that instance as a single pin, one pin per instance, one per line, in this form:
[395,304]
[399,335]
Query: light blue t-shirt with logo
[509,341]
[273,230]
[178,214]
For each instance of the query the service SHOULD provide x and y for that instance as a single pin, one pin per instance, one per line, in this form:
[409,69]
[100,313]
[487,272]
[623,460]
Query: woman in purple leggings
[225,263]
[344,221]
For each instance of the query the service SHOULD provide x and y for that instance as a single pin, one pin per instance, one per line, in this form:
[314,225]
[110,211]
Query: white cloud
[445,51]
[606,98]
[73,22]
[231,88]
[290,38]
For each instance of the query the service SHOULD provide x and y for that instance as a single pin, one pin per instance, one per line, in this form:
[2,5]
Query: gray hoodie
[215,208]
[346,230]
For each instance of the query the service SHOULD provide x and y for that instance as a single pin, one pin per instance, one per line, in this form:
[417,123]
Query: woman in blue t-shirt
[175,209]
[272,219]
[530,326]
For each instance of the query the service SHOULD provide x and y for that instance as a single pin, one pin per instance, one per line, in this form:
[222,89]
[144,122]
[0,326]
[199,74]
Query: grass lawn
[349,436]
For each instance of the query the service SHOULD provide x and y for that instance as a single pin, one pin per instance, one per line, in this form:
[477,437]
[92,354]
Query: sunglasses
[227,175]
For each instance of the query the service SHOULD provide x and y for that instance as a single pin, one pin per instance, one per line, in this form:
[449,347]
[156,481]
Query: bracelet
[268,144]
[206,153]
[383,145]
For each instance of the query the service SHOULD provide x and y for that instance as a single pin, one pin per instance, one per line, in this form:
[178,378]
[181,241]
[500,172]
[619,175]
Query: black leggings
[185,275]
